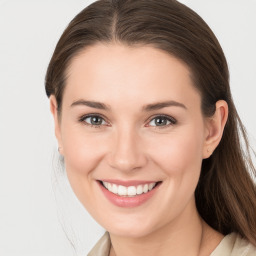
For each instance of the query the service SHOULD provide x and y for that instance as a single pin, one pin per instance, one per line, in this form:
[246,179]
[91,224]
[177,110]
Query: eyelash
[166,118]
[82,120]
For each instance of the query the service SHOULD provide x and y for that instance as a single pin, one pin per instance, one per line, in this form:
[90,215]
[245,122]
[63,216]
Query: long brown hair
[226,193]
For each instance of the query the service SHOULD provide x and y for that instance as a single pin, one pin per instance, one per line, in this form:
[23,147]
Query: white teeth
[122,191]
[145,188]
[151,185]
[128,191]
[114,188]
[139,190]
[131,191]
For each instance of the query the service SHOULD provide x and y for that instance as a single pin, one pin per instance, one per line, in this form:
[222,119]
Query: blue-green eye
[161,121]
[94,120]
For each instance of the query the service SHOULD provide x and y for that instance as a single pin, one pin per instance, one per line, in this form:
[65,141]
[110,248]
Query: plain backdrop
[29,30]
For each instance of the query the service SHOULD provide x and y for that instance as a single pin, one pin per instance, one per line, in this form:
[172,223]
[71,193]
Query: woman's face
[131,118]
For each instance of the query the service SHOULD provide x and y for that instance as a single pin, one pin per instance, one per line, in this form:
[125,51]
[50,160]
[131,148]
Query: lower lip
[125,201]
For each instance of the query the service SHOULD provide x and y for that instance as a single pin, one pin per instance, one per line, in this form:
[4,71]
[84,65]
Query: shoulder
[234,245]
[102,247]
[231,245]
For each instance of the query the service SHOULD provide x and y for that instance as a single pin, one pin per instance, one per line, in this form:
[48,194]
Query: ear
[215,127]
[54,111]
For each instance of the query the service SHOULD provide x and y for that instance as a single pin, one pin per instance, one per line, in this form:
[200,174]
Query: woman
[145,121]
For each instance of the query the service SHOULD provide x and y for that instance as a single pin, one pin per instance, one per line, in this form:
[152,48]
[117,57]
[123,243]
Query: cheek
[180,153]
[82,152]
[82,155]
[179,156]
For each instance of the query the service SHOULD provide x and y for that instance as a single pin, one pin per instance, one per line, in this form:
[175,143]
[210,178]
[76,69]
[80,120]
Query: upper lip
[128,183]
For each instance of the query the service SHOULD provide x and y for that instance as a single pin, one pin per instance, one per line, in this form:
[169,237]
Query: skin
[128,145]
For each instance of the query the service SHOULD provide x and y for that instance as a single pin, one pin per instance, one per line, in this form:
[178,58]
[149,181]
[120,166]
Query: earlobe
[214,128]
[54,111]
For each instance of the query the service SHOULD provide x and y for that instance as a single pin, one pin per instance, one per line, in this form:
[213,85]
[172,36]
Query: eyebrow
[92,104]
[147,108]
[160,105]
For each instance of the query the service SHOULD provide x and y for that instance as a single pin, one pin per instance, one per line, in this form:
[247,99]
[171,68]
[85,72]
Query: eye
[93,120]
[161,121]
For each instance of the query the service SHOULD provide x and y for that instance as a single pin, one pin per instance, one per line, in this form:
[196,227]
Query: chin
[130,232]
[131,228]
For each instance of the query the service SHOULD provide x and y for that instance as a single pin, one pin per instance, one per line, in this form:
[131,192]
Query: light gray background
[29,30]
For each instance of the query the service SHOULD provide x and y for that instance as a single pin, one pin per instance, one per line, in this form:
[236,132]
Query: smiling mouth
[130,191]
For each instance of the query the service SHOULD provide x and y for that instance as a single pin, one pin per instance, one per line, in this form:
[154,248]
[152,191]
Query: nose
[127,151]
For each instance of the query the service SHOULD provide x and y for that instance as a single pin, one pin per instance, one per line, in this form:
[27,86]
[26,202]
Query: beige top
[231,245]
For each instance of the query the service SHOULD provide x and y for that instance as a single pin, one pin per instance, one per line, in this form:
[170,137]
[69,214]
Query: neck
[186,235]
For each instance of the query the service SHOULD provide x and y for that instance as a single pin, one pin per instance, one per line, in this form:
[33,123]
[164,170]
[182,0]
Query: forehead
[114,72]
